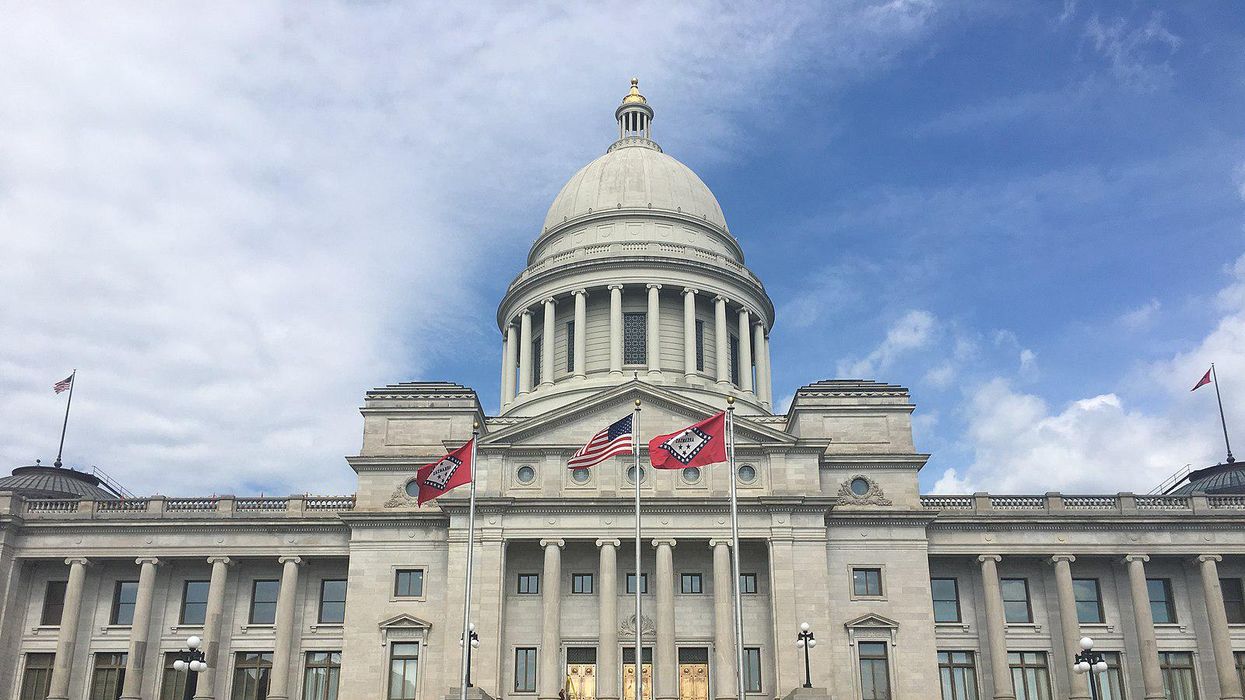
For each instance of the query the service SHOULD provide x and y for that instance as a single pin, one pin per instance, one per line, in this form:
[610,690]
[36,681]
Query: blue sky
[1028,213]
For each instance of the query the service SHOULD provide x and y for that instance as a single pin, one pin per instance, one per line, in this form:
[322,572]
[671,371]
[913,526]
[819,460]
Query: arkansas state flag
[1202,382]
[451,471]
[694,446]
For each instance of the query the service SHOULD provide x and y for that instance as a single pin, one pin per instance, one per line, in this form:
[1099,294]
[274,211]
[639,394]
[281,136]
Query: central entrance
[693,673]
[629,673]
[581,673]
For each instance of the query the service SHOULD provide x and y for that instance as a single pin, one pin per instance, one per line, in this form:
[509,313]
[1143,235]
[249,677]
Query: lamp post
[1089,661]
[475,644]
[193,664]
[804,640]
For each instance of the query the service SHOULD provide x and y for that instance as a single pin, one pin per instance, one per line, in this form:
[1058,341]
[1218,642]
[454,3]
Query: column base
[802,693]
[473,693]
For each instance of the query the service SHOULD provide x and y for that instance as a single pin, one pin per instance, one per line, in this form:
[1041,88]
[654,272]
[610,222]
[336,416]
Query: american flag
[63,385]
[614,440]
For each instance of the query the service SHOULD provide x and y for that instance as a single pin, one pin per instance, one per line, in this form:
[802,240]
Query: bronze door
[693,681]
[629,681]
[581,681]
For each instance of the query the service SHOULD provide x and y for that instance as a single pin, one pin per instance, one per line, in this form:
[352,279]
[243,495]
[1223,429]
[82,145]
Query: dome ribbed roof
[1220,479]
[51,482]
[635,177]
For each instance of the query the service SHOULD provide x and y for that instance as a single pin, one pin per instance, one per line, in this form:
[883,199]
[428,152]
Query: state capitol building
[634,289]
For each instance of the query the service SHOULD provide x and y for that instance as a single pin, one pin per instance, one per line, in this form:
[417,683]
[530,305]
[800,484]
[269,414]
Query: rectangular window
[957,673]
[1110,683]
[700,345]
[408,583]
[875,681]
[747,583]
[251,673]
[172,681]
[1088,601]
[37,678]
[1240,666]
[581,583]
[525,670]
[264,601]
[867,582]
[1162,606]
[1178,680]
[946,592]
[320,676]
[123,596]
[108,676]
[631,583]
[570,346]
[635,338]
[403,668]
[734,356]
[529,584]
[1233,600]
[332,601]
[752,669]
[537,359]
[53,603]
[1016,609]
[1029,675]
[194,602]
[691,583]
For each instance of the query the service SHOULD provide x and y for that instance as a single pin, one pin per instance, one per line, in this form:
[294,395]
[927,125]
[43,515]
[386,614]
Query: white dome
[634,176]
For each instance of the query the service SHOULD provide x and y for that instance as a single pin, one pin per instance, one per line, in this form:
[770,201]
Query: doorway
[581,673]
[693,673]
[629,673]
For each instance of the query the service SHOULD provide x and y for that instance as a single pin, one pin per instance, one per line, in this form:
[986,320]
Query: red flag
[1202,382]
[449,472]
[694,446]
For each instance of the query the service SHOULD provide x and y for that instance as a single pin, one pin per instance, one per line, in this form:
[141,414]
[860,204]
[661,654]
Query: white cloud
[1028,362]
[235,219]
[912,331]
[1139,55]
[940,377]
[1140,317]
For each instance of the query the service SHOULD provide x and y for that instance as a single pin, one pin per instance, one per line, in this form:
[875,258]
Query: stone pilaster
[550,678]
[1069,623]
[665,655]
[724,656]
[136,659]
[525,352]
[616,330]
[1220,636]
[1151,673]
[996,629]
[205,689]
[745,351]
[580,342]
[284,629]
[607,646]
[546,342]
[66,640]
[689,332]
[721,342]
[512,362]
[654,329]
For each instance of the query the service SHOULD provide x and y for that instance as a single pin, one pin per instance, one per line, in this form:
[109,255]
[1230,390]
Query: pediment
[405,621]
[872,621]
[662,411]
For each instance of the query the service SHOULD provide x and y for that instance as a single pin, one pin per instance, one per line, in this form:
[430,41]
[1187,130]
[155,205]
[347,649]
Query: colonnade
[550,676]
[1151,671]
[518,375]
[135,664]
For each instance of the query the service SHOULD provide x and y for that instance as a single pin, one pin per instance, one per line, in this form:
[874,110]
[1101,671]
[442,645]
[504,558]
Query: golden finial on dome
[634,95]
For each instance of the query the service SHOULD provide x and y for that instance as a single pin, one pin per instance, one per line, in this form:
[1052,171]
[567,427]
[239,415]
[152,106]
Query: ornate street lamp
[193,664]
[804,640]
[1089,661]
[475,644]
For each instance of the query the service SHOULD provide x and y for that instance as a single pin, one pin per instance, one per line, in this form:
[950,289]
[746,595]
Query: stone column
[546,342]
[581,329]
[607,646]
[1220,637]
[616,330]
[136,660]
[503,389]
[285,627]
[689,332]
[721,343]
[1151,674]
[1069,623]
[758,352]
[654,329]
[66,640]
[996,631]
[512,361]
[206,687]
[666,655]
[525,352]
[769,374]
[745,351]
[724,680]
[550,678]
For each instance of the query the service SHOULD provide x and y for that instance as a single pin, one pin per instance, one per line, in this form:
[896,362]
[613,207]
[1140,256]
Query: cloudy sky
[234,219]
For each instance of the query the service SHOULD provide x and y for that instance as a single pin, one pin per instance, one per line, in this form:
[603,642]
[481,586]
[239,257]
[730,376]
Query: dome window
[525,474]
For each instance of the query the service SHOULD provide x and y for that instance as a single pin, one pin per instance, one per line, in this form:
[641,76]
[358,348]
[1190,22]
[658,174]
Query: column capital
[612,543]
[668,541]
[546,543]
[615,286]
[290,559]
[758,321]
[70,561]
[147,560]
[744,312]
[713,544]
[526,312]
[580,292]
[989,557]
[549,301]
[1062,557]
[1209,557]
[220,560]
[653,285]
[1143,558]
[691,290]
[721,298]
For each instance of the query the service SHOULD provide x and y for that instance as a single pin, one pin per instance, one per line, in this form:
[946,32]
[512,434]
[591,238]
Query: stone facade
[834,531]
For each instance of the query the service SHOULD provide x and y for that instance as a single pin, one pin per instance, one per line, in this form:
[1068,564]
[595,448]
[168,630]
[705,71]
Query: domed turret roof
[39,481]
[1228,478]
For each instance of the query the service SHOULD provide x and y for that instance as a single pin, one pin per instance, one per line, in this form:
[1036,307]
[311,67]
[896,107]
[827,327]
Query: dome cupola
[635,120]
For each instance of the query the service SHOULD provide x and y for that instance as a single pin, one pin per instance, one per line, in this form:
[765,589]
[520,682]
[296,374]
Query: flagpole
[1221,420]
[73,379]
[639,627]
[471,538]
[739,610]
